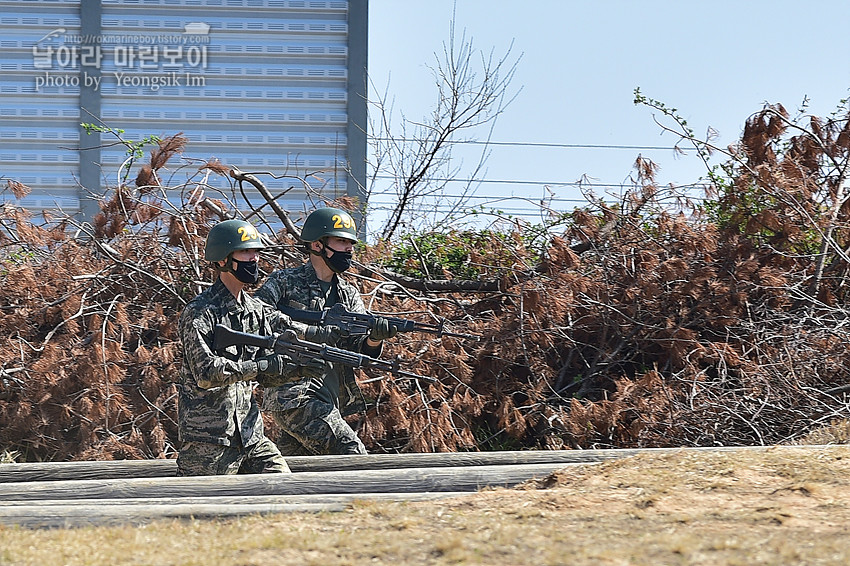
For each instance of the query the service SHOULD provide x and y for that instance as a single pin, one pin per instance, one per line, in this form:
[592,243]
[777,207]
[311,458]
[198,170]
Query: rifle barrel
[343,356]
[356,323]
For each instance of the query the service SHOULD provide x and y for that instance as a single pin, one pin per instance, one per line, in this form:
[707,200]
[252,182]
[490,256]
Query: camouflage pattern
[300,287]
[205,459]
[316,428]
[216,403]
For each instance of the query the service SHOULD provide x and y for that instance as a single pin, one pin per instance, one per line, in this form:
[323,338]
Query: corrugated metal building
[262,85]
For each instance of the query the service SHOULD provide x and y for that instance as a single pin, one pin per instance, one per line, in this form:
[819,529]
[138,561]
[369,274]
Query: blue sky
[717,62]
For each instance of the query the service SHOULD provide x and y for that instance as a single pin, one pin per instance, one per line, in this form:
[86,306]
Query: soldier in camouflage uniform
[310,411]
[220,425]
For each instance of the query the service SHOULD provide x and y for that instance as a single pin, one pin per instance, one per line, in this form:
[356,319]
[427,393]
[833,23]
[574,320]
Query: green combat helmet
[326,222]
[231,235]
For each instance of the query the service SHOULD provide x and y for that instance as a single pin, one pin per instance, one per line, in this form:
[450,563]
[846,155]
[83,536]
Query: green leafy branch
[134,151]
[704,147]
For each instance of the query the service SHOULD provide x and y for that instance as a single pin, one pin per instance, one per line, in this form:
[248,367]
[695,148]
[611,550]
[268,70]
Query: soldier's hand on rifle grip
[275,370]
[382,330]
[327,334]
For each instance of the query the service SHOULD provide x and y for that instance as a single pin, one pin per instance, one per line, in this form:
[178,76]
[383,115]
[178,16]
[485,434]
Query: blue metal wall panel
[262,85]
[38,121]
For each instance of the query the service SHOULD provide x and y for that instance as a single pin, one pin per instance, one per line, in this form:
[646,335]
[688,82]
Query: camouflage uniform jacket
[300,287]
[216,404]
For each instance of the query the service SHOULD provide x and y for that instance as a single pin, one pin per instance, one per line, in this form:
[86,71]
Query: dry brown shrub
[632,328]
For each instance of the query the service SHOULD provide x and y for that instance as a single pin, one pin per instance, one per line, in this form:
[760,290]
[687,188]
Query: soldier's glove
[276,370]
[327,334]
[313,369]
[382,330]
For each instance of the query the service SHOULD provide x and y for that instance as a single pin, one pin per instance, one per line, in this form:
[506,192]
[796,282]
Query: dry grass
[836,432]
[789,506]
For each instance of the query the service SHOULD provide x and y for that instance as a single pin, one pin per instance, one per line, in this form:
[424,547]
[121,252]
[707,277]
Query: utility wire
[551,183]
[380,204]
[544,144]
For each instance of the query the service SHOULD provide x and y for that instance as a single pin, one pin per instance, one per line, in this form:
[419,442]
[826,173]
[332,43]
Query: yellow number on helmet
[248,233]
[342,221]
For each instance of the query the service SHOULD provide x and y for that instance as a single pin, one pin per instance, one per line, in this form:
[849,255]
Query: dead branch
[282,215]
[437,285]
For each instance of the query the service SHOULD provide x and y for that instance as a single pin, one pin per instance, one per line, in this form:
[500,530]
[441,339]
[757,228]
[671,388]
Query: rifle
[356,323]
[300,351]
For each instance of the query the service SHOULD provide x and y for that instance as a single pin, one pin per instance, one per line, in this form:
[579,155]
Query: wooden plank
[404,480]
[340,498]
[127,501]
[45,471]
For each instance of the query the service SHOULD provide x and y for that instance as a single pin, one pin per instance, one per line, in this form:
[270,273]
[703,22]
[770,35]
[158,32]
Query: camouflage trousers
[207,459]
[315,428]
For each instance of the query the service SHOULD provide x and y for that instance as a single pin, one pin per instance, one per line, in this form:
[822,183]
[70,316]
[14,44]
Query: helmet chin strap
[323,254]
[227,267]
[319,253]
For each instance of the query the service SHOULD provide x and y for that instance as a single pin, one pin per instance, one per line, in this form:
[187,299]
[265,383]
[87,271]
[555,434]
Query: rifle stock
[224,337]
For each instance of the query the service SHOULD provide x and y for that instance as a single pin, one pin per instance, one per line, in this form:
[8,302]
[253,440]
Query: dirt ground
[780,507]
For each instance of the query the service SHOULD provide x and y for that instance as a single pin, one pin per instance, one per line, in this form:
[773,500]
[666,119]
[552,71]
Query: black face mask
[246,271]
[338,262]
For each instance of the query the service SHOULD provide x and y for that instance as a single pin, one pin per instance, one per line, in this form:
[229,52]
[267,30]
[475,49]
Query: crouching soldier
[310,411]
